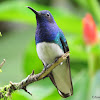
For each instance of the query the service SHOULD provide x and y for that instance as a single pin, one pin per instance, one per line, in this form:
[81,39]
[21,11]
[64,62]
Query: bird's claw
[57,58]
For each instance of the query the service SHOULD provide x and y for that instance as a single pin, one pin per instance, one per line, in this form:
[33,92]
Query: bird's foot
[45,68]
[57,59]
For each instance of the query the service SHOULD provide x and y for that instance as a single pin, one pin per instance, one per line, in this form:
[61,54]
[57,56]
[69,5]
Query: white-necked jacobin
[51,44]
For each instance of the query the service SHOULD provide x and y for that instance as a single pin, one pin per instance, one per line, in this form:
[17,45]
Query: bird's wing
[64,82]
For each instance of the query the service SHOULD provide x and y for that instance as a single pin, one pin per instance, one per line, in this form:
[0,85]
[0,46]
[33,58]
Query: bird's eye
[48,14]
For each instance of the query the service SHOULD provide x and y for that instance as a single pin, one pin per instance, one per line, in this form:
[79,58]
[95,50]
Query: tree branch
[8,89]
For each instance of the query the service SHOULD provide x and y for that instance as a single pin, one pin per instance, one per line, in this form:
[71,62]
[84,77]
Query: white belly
[47,52]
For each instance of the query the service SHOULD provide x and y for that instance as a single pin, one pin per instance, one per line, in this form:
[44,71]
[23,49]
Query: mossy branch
[6,91]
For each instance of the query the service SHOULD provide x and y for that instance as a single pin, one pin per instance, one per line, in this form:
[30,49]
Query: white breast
[47,52]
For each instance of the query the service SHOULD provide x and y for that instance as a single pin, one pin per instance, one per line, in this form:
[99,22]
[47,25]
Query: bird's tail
[61,78]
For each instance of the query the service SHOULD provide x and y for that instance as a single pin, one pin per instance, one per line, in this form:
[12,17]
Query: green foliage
[0,66]
[91,6]
[31,60]
[20,95]
[70,23]
[18,11]
[0,34]
[53,95]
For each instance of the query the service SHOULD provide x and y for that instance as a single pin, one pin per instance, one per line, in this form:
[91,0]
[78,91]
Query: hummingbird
[50,45]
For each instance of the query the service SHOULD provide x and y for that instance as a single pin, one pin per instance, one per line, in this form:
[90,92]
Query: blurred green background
[17,46]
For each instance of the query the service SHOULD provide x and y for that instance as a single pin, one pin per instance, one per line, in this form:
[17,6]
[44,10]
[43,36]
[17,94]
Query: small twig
[33,72]
[2,64]
[31,78]
[24,88]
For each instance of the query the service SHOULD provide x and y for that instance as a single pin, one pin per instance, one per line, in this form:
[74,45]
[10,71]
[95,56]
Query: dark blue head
[47,28]
[43,16]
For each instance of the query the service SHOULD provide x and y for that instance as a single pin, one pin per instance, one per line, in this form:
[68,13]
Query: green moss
[5,90]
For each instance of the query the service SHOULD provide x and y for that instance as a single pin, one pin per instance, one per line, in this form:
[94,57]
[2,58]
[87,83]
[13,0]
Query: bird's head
[43,16]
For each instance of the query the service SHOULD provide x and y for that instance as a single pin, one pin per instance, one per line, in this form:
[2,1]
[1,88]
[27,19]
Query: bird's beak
[36,12]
